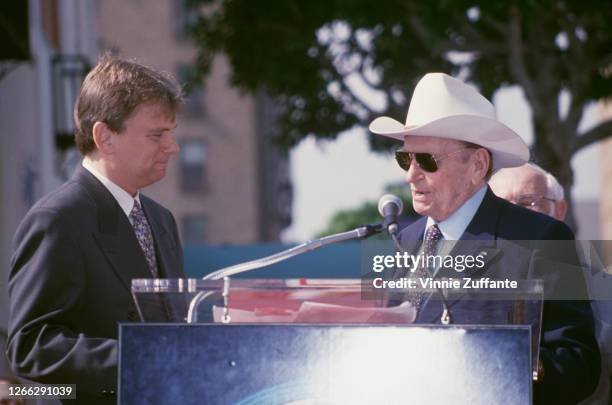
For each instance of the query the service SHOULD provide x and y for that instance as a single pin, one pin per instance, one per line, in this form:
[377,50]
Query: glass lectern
[308,341]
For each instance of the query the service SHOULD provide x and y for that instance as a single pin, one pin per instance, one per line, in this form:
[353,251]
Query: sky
[332,175]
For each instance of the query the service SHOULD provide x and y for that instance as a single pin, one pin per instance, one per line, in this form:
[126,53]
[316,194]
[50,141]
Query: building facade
[228,184]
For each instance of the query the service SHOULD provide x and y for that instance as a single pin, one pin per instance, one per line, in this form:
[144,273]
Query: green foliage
[322,60]
[367,213]
[301,52]
[346,220]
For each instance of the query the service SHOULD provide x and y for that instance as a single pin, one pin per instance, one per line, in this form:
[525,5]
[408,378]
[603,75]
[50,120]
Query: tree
[325,61]
[367,213]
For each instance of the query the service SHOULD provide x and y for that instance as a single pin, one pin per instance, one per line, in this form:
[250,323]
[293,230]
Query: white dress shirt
[124,199]
[453,227]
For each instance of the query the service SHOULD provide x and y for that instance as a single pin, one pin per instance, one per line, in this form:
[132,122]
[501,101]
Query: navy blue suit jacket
[75,254]
[510,235]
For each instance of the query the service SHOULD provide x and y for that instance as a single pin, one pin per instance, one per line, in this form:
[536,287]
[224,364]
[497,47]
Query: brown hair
[113,90]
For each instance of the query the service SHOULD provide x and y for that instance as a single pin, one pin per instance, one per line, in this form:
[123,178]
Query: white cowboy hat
[445,107]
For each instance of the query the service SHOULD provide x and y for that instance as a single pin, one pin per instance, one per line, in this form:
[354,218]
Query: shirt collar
[453,227]
[124,199]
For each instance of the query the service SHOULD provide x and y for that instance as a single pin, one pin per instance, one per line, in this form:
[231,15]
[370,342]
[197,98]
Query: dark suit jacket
[509,235]
[75,254]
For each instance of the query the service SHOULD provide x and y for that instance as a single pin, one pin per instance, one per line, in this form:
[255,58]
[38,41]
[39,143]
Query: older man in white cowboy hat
[452,144]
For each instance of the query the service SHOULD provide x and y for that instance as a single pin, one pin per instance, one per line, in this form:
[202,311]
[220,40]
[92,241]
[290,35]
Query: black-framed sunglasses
[426,161]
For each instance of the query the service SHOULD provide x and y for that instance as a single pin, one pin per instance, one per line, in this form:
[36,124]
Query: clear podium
[318,342]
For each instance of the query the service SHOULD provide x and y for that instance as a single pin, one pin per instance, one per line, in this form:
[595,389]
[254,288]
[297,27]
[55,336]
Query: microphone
[390,207]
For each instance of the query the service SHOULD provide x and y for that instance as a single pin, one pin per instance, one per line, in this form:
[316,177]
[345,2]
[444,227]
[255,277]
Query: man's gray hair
[555,191]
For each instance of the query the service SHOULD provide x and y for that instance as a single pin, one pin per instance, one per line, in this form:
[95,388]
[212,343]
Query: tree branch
[516,62]
[473,40]
[495,25]
[574,115]
[578,72]
[476,42]
[466,28]
[421,31]
[600,132]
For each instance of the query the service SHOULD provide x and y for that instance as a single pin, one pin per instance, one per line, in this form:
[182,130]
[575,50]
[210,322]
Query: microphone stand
[224,273]
[358,233]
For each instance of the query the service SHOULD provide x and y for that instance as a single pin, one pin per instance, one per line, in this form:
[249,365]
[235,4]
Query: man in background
[531,187]
[79,247]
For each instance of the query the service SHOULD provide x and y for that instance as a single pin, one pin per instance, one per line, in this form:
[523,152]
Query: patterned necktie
[144,236]
[432,236]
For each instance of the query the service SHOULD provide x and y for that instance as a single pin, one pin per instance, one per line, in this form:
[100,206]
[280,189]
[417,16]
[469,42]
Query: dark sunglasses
[426,161]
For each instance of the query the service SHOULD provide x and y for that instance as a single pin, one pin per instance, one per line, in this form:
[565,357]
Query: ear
[102,137]
[481,161]
[560,210]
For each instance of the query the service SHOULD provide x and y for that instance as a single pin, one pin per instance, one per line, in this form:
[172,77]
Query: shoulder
[60,218]
[160,214]
[414,230]
[152,204]
[71,199]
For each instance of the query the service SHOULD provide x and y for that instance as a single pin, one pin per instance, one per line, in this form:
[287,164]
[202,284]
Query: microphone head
[389,199]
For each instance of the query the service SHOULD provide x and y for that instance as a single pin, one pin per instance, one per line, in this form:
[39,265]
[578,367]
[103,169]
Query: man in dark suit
[534,188]
[78,248]
[452,144]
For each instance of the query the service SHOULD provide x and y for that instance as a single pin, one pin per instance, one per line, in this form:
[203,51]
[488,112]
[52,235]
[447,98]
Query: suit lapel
[411,239]
[479,236]
[479,239]
[116,236]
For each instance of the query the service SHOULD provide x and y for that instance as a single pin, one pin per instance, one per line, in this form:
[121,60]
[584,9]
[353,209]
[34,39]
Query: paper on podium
[315,312]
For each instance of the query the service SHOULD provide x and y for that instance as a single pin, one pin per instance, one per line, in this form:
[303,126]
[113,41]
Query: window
[194,92]
[194,229]
[186,15]
[193,165]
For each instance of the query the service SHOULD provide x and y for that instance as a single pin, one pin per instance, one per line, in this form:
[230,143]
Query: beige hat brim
[506,146]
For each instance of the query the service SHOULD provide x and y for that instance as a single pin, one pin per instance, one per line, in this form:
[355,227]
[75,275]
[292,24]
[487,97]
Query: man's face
[440,193]
[144,147]
[523,186]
